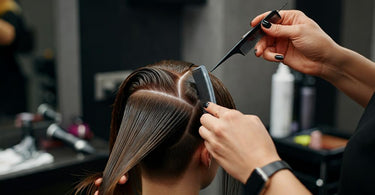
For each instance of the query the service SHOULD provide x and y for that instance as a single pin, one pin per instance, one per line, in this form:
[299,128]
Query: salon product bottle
[298,83]
[307,106]
[80,129]
[281,102]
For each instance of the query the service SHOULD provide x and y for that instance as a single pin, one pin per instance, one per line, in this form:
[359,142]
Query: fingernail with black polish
[279,57]
[266,24]
[205,105]
[255,51]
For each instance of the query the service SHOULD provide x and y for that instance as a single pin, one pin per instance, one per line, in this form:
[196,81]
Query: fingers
[210,149]
[280,31]
[270,55]
[98,181]
[205,133]
[286,27]
[260,46]
[258,19]
[209,141]
[216,110]
[214,148]
[211,120]
[274,45]
[288,17]
[123,179]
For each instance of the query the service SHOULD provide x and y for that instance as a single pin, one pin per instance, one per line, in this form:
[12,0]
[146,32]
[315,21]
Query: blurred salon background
[79,51]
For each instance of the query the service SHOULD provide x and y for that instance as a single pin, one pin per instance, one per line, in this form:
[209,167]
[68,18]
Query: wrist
[261,162]
[332,69]
[338,56]
[260,178]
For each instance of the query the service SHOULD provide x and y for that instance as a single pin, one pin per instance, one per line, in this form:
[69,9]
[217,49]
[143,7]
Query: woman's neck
[187,185]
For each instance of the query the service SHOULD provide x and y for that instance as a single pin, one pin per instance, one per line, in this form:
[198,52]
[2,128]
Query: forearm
[284,182]
[7,33]
[352,73]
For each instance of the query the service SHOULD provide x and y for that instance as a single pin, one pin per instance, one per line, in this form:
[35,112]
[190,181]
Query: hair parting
[154,127]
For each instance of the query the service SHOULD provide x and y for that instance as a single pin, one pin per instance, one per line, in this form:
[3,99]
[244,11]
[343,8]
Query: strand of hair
[165,94]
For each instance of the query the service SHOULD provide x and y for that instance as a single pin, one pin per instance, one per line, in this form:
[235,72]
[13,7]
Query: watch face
[255,183]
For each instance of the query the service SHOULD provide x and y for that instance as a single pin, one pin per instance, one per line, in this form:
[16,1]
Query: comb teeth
[249,44]
[249,40]
[245,48]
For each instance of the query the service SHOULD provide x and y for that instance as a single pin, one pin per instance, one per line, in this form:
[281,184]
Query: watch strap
[259,177]
[273,167]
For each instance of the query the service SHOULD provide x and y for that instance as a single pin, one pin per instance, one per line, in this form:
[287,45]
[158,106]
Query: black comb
[249,39]
[203,83]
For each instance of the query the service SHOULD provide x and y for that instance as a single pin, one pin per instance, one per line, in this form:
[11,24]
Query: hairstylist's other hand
[99,181]
[297,41]
[239,142]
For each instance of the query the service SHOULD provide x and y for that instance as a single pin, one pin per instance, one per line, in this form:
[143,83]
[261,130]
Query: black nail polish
[255,51]
[279,57]
[205,105]
[266,24]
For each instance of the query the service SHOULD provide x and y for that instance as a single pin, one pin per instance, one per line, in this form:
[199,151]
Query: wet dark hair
[154,127]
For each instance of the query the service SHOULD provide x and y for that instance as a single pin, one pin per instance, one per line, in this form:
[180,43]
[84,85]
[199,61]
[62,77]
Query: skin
[308,49]
[7,31]
[99,181]
[199,174]
[240,142]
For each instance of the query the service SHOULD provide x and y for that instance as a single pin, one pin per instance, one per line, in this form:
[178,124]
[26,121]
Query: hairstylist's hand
[297,41]
[238,142]
[99,181]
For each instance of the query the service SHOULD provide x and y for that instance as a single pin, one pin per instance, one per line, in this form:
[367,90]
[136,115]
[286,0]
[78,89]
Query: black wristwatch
[260,176]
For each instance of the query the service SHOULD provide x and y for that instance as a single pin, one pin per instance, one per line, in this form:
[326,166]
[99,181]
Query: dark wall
[328,14]
[118,36]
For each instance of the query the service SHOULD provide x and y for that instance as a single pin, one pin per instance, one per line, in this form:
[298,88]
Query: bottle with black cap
[307,105]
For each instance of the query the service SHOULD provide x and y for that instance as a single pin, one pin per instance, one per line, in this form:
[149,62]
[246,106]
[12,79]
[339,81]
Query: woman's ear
[206,157]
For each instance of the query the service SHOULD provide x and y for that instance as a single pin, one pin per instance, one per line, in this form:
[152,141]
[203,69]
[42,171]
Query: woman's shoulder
[359,156]
[368,114]
[12,17]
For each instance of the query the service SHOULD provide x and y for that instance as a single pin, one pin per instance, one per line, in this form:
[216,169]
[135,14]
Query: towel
[23,156]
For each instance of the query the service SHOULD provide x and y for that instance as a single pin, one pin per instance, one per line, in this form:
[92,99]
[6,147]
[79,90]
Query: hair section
[154,127]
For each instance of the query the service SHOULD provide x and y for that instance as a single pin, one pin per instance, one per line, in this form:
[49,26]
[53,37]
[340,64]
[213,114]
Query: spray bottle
[307,109]
[281,102]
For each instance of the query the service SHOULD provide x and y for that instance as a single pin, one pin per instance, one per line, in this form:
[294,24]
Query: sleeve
[23,41]
[13,19]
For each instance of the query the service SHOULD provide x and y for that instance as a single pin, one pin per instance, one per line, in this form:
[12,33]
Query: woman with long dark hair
[154,134]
